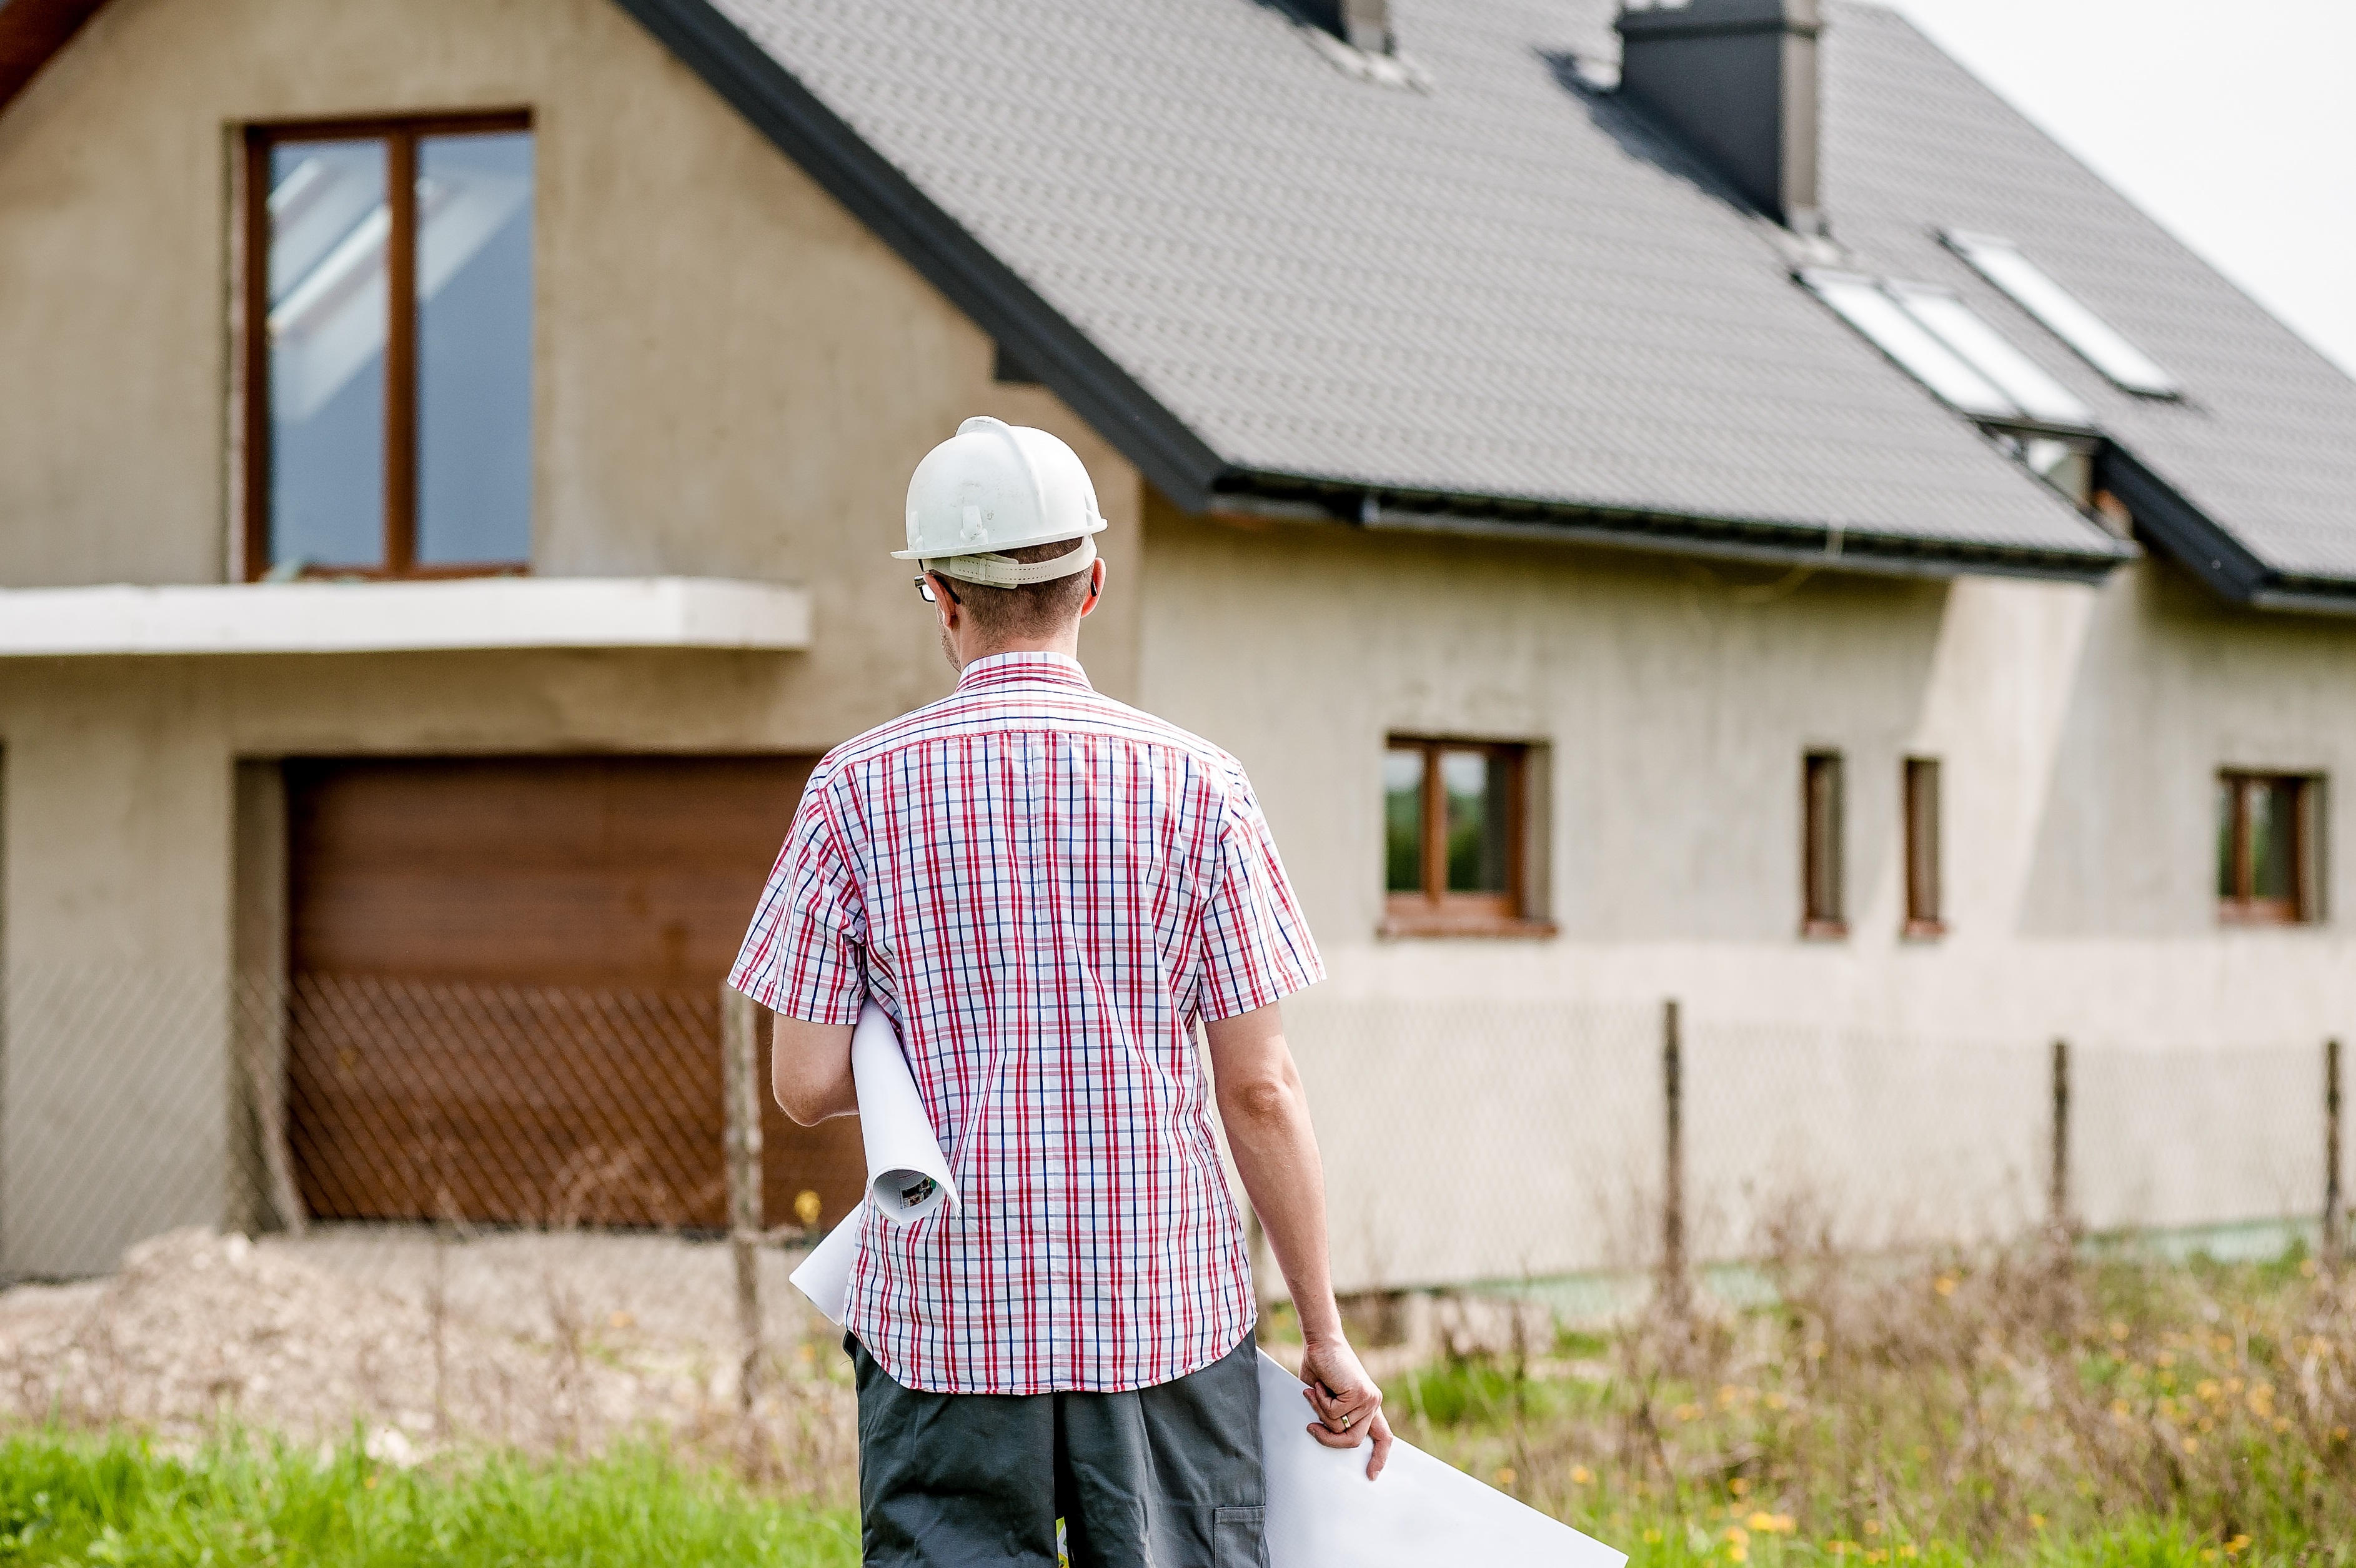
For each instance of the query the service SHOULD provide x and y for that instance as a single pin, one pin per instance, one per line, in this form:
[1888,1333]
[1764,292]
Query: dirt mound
[199,1328]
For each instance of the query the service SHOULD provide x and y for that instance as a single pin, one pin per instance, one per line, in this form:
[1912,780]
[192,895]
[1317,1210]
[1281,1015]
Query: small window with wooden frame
[387,356]
[1456,835]
[1918,786]
[2269,847]
[1822,913]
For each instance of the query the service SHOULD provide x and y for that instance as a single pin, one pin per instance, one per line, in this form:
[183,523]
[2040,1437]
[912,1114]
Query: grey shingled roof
[2265,441]
[1506,287]
[1510,287]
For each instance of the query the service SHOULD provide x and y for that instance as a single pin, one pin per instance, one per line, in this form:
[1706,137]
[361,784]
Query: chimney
[1737,80]
[1362,23]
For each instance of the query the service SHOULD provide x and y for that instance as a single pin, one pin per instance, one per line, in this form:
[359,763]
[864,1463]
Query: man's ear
[1095,588]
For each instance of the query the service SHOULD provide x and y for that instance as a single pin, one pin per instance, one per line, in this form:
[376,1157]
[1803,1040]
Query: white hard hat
[995,486]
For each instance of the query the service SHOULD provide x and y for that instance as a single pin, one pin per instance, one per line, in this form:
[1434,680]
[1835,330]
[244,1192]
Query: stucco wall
[2080,731]
[732,379]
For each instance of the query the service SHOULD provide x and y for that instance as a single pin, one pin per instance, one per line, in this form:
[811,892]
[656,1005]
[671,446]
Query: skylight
[2001,262]
[1941,343]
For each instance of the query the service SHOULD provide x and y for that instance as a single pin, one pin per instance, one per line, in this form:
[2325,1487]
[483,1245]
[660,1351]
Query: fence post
[1673,1291]
[2333,1241]
[740,1075]
[2057,1196]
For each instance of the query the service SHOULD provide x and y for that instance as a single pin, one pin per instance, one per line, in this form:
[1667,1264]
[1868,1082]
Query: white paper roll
[825,1274]
[907,1178]
[1322,1512]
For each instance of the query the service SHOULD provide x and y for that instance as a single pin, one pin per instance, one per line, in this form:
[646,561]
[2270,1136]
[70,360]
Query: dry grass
[2004,1406]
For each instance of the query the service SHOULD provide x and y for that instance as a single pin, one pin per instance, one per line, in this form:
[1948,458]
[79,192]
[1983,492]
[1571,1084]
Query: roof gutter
[1830,548]
[999,301]
[2191,537]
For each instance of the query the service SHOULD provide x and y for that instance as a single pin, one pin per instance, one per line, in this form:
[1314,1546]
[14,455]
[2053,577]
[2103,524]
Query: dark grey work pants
[1167,1475]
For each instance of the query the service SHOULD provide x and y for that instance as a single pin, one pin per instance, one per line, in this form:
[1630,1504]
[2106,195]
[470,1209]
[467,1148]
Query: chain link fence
[552,1167]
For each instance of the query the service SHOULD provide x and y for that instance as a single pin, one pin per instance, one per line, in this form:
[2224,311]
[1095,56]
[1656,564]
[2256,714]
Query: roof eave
[31,34]
[2196,541]
[1524,520]
[947,255]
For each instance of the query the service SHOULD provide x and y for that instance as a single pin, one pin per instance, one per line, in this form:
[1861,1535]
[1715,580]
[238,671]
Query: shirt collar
[1005,669]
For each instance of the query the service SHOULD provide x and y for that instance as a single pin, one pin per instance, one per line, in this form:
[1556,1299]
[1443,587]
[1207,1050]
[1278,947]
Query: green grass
[72,1498]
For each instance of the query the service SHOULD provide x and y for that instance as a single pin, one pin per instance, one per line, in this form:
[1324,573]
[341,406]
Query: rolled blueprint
[825,1274]
[907,1178]
[1322,1512]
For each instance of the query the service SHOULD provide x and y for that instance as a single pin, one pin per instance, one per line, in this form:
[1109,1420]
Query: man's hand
[1349,1406]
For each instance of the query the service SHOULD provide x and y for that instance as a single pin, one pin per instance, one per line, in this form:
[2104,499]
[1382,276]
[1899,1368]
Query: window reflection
[328,225]
[1475,786]
[1403,821]
[474,348]
[350,404]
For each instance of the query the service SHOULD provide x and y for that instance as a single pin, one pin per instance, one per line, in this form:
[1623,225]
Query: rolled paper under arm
[907,1178]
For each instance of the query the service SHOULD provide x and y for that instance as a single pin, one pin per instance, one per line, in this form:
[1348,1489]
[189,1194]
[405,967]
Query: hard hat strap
[1005,571]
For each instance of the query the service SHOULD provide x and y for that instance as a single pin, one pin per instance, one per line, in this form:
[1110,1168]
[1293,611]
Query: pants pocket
[1238,1538]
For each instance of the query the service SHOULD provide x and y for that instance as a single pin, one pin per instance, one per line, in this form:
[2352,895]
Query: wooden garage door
[506,981]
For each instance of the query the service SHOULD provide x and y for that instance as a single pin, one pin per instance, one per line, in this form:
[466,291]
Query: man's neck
[1068,646]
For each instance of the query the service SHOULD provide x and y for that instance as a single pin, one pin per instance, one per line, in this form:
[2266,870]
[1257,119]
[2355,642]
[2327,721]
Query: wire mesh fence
[463,1193]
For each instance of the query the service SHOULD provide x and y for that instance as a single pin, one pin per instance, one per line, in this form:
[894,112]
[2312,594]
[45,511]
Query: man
[1048,891]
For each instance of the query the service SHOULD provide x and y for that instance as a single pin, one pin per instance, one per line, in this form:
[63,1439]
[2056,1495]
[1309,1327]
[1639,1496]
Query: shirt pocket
[1239,1538]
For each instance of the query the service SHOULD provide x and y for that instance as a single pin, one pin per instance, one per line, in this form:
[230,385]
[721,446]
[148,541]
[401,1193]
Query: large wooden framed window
[2269,847]
[1822,908]
[1456,840]
[387,346]
[1919,788]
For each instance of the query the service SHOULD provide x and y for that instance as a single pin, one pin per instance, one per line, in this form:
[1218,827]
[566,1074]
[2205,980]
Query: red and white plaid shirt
[1047,889]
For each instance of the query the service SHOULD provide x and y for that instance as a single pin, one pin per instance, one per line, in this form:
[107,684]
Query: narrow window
[389,344]
[1921,792]
[1820,846]
[2269,844]
[1453,836]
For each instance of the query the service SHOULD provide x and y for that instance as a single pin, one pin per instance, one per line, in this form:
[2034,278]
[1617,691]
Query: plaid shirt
[1047,889]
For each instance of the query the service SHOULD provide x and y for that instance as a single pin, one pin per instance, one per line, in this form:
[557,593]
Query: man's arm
[1267,1119]
[809,1071]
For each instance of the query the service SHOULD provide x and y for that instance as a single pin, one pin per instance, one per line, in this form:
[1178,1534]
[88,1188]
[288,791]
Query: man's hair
[1033,610]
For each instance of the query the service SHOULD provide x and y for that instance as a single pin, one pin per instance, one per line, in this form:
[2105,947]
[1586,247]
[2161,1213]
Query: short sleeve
[805,955]
[1256,943]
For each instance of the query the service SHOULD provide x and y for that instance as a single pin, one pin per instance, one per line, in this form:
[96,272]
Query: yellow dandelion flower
[1740,1485]
[2282,1424]
[2236,1546]
[1580,1475]
[2209,1555]
[2192,1445]
[1504,1475]
[1764,1523]
[2037,1521]
[1907,1551]
[1738,1535]
[2235,1385]
[2118,1331]
[1876,1555]
[1873,1527]
[1737,1555]
[2206,1388]
[1945,1284]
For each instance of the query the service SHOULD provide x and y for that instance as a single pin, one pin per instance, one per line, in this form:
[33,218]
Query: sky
[2232,122]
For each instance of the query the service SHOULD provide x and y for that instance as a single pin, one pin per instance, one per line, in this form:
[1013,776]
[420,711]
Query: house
[1702,502]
